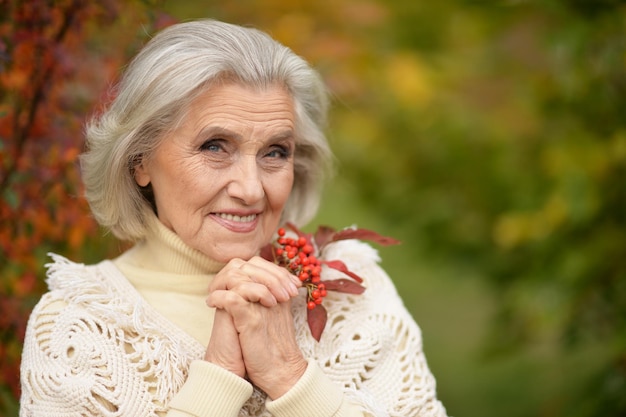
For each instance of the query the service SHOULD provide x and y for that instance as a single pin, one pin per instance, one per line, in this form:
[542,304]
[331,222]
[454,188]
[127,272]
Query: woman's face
[222,178]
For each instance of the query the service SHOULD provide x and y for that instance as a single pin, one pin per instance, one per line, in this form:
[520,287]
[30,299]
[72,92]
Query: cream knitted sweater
[126,338]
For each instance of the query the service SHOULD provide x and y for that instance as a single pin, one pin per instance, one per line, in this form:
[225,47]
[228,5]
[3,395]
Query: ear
[142,176]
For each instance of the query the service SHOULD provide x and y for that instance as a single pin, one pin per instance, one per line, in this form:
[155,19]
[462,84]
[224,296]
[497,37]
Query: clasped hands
[253,333]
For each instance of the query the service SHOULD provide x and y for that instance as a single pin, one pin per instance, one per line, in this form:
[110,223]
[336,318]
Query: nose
[245,184]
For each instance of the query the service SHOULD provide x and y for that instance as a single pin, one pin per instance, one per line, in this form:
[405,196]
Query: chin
[244,254]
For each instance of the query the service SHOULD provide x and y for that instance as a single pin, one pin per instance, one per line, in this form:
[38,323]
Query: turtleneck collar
[172,278]
[163,251]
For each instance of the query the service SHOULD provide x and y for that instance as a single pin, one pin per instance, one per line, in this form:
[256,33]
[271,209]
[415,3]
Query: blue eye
[279,152]
[213,145]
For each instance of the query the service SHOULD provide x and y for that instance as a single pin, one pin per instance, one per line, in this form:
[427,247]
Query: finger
[248,292]
[246,315]
[263,283]
[231,276]
[280,282]
[273,268]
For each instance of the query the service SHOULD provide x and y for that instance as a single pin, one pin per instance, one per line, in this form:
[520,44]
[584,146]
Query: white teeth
[241,219]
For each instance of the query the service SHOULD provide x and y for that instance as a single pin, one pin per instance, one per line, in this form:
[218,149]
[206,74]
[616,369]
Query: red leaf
[295,229]
[340,266]
[317,321]
[323,236]
[365,234]
[344,285]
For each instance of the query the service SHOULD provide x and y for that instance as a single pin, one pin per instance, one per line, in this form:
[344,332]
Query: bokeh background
[489,136]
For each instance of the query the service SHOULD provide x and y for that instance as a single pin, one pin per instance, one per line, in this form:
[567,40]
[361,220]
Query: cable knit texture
[96,347]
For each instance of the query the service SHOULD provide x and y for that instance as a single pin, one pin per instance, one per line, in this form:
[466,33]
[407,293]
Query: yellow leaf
[510,230]
[408,80]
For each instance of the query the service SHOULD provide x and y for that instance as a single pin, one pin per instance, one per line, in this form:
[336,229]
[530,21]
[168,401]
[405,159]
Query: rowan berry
[297,255]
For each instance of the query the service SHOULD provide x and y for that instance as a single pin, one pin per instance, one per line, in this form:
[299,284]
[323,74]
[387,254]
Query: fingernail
[296,281]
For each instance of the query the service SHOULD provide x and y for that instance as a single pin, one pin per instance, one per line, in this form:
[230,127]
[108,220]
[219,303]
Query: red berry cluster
[297,255]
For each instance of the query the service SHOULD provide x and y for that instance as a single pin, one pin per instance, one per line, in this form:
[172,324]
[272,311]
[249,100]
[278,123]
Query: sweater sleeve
[314,395]
[210,391]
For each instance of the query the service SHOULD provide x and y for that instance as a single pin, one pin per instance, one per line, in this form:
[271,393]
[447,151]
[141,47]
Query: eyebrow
[211,131]
[217,131]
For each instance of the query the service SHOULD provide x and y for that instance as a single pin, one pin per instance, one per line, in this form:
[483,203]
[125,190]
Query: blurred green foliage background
[490,137]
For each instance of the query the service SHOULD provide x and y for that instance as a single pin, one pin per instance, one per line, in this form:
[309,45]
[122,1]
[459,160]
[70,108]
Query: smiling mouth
[235,218]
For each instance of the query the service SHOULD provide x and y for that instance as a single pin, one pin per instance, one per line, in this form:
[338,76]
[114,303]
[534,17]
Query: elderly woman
[213,140]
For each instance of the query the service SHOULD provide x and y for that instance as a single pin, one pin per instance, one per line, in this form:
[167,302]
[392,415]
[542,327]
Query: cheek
[185,183]
[280,189]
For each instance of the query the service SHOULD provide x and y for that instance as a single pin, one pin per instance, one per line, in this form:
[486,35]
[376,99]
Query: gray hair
[152,97]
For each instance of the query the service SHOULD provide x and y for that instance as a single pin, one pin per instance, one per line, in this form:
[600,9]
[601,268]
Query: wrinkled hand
[223,349]
[257,281]
[253,330]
